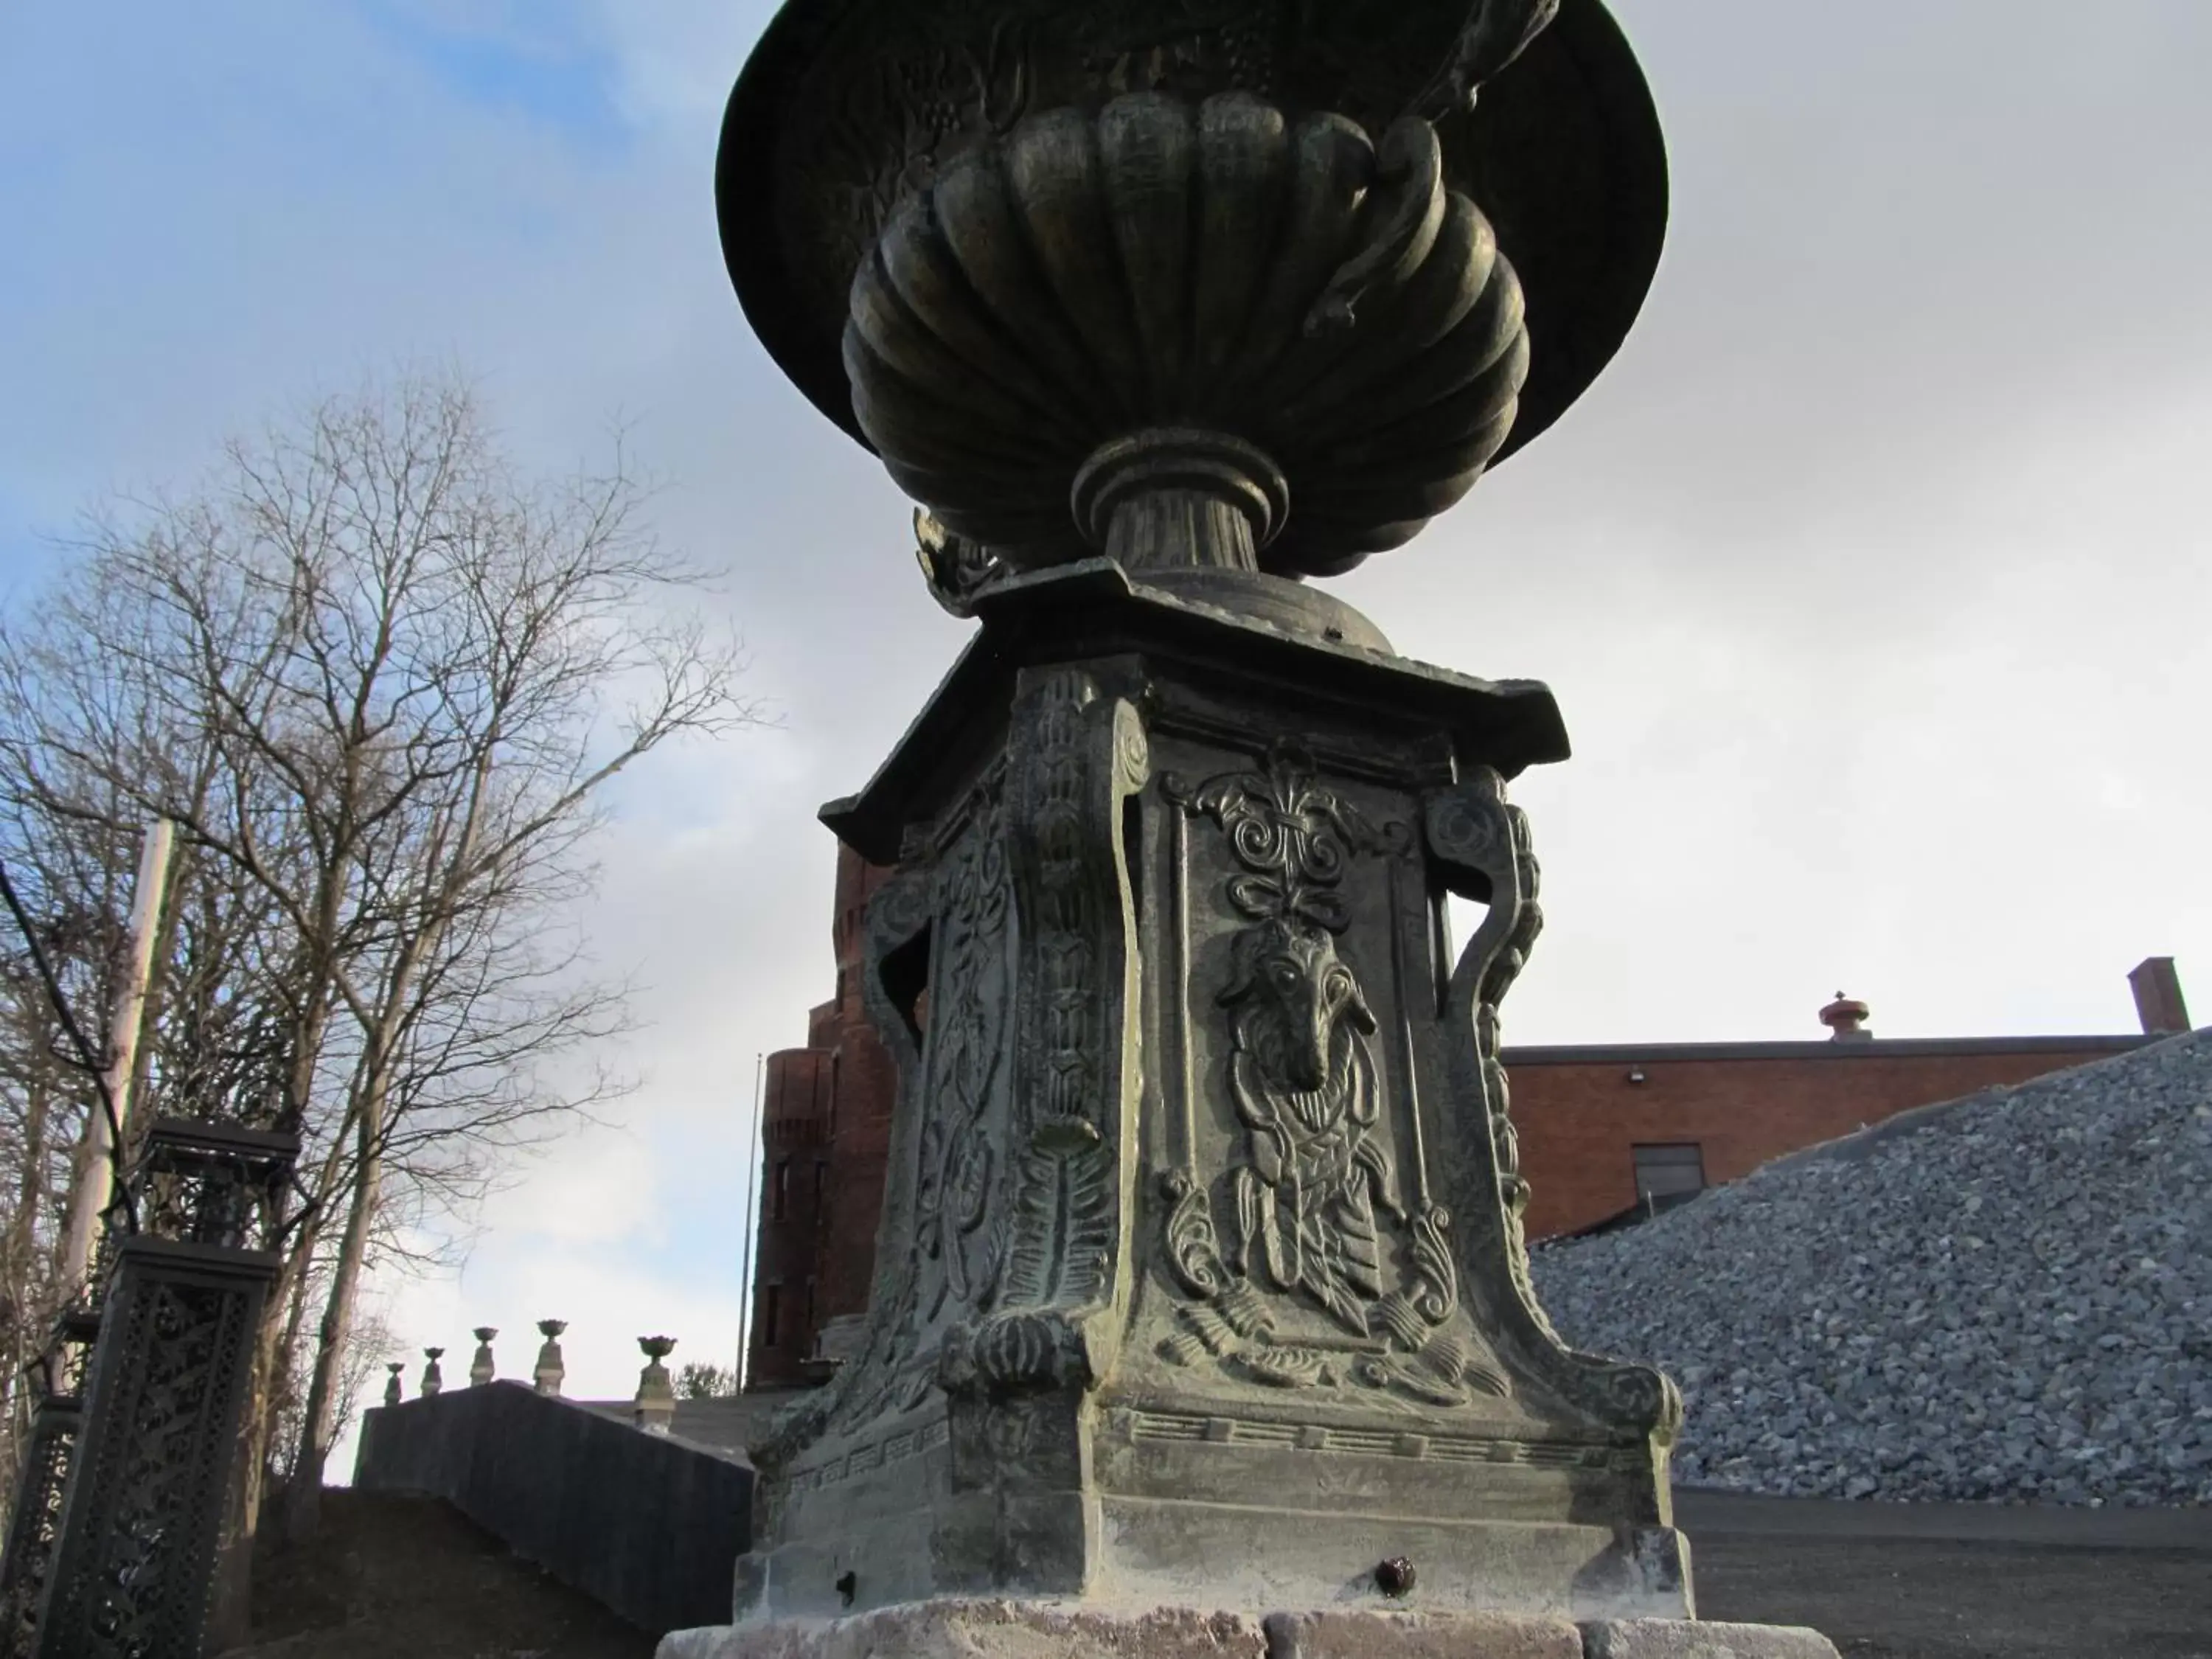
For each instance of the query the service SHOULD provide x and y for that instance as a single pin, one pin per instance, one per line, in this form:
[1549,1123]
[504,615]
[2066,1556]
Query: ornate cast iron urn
[1200,1278]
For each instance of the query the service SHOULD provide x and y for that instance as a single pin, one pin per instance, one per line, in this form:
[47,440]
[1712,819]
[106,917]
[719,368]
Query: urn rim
[1585,234]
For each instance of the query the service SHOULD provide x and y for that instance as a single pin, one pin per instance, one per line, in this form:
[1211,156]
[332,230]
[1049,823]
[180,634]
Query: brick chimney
[1845,1019]
[2158,997]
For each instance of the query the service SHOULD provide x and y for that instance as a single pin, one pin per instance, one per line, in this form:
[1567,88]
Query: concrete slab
[980,1630]
[1666,1638]
[1418,1635]
[1031,1630]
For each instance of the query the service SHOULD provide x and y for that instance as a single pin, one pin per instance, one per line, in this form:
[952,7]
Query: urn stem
[1176,497]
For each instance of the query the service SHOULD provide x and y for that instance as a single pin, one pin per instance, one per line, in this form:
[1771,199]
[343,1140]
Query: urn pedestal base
[1007,1630]
[1200,1278]
[1176,1553]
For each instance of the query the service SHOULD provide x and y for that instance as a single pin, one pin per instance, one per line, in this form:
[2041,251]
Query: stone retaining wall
[649,1526]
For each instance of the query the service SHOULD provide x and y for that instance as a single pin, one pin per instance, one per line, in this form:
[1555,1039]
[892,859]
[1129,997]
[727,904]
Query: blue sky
[545,63]
[1872,577]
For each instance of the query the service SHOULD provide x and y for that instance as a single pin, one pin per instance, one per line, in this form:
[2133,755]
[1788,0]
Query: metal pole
[94,1182]
[746,1251]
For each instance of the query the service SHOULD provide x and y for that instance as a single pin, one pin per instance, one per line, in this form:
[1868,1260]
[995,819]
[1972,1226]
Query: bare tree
[381,682]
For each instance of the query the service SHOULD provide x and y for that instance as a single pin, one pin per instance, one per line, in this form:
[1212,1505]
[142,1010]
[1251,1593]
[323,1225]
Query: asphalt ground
[1957,1581]
[407,1576]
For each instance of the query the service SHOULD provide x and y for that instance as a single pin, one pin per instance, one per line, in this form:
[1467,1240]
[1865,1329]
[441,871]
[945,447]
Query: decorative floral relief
[954,1177]
[956,1259]
[1074,756]
[1318,1213]
[1014,1206]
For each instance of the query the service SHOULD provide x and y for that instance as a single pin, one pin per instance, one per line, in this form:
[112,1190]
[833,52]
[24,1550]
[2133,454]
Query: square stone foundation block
[1023,1629]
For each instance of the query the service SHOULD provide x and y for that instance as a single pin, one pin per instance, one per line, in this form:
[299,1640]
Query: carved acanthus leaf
[1064,1226]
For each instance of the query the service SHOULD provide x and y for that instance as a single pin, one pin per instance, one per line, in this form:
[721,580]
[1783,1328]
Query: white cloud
[595,1186]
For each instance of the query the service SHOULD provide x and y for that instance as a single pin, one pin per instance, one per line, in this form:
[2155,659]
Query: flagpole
[95,1183]
[747,1252]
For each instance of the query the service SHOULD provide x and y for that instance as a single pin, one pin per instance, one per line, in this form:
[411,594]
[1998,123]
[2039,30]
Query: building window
[771,1314]
[821,1188]
[782,1200]
[1668,1175]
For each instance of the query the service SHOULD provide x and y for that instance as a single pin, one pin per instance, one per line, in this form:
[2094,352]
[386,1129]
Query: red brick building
[825,1137]
[1604,1126]
[1605,1130]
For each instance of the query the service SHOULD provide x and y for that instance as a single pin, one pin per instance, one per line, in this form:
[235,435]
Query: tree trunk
[304,1497]
[22,1308]
[382,1044]
[230,1615]
[18,1249]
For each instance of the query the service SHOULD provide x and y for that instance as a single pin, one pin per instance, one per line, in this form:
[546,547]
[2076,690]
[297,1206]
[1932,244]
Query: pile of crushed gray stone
[2005,1298]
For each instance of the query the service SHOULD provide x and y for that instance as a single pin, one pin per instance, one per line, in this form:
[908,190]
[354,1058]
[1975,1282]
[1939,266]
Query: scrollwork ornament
[1480,844]
[1294,836]
[1193,1249]
[1434,1274]
[1133,753]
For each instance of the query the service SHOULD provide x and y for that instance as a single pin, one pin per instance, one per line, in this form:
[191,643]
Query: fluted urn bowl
[1260,316]
[856,123]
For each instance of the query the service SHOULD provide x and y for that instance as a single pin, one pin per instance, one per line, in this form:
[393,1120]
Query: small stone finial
[392,1391]
[481,1367]
[656,1391]
[433,1381]
[551,1370]
[1846,1018]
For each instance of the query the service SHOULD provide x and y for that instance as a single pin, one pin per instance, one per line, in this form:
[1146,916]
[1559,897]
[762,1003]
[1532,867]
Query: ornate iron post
[134,1550]
[34,1524]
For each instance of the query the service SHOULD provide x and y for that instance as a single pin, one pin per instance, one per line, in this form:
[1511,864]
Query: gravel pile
[2008,1298]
